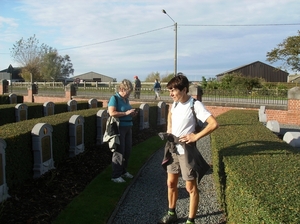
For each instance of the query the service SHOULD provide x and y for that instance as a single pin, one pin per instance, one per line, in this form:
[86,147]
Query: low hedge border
[36,110]
[257,174]
[19,153]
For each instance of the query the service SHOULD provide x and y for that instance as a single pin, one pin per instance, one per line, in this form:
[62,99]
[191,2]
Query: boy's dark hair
[179,81]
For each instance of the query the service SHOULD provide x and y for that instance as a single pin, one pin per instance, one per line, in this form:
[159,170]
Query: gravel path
[145,200]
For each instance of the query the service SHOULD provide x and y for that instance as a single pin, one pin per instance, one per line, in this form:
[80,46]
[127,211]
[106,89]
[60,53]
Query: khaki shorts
[178,165]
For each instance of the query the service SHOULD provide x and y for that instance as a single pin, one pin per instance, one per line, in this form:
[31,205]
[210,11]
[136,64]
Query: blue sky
[121,39]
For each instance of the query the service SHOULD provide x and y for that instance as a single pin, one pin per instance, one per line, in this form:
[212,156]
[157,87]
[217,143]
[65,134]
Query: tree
[167,77]
[156,75]
[204,82]
[288,52]
[54,66]
[238,81]
[28,54]
[152,76]
[39,61]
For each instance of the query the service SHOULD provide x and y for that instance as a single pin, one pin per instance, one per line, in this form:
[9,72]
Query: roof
[243,66]
[90,75]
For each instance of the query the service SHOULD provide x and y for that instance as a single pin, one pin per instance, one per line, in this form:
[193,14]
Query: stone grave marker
[42,149]
[76,134]
[21,112]
[13,98]
[93,103]
[161,117]
[292,138]
[102,116]
[262,116]
[48,108]
[72,105]
[273,126]
[144,116]
[3,185]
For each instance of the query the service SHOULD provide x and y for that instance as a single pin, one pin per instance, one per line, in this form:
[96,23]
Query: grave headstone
[161,117]
[292,138]
[13,98]
[144,116]
[42,149]
[262,116]
[273,126]
[48,108]
[21,112]
[3,86]
[102,116]
[93,103]
[3,185]
[72,105]
[76,134]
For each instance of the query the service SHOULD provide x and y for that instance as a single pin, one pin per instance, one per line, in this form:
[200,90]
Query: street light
[175,57]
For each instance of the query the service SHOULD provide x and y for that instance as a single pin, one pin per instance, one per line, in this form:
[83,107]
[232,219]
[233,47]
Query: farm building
[93,77]
[6,74]
[260,70]
[294,78]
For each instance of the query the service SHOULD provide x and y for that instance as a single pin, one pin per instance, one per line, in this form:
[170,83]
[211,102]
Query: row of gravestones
[42,141]
[291,137]
[21,108]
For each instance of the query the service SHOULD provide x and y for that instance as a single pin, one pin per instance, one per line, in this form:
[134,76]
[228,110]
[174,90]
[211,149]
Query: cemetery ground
[40,200]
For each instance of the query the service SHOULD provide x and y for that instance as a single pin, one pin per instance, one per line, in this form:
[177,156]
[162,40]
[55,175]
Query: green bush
[19,153]
[4,99]
[36,110]
[257,173]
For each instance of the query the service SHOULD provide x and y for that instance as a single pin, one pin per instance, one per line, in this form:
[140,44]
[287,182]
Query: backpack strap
[116,98]
[192,102]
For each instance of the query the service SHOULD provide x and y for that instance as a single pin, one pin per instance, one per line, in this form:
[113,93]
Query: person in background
[119,107]
[137,87]
[157,88]
[181,125]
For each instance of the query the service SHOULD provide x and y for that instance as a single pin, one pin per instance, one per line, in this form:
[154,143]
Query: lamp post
[175,57]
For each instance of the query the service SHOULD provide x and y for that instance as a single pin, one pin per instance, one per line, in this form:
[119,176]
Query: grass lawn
[99,199]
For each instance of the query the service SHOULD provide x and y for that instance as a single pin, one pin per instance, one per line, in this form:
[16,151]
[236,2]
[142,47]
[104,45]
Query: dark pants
[137,93]
[121,156]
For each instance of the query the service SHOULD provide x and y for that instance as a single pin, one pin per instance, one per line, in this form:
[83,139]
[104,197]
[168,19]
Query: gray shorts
[178,165]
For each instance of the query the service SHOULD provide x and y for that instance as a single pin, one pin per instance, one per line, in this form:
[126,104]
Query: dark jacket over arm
[193,157]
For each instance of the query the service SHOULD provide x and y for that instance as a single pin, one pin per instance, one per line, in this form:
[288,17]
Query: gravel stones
[145,200]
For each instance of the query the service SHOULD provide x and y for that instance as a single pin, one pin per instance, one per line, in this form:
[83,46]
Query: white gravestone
[3,185]
[42,149]
[21,112]
[48,108]
[262,116]
[144,116]
[76,135]
[13,98]
[93,103]
[102,116]
[72,105]
[161,116]
[292,138]
[273,126]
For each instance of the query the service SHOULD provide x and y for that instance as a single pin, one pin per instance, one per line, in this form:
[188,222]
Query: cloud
[120,38]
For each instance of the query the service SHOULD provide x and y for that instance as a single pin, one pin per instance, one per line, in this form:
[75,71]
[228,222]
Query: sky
[121,39]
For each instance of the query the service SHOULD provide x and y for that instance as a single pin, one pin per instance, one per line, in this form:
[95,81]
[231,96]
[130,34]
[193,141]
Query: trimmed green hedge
[4,99]
[257,174]
[19,153]
[36,110]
